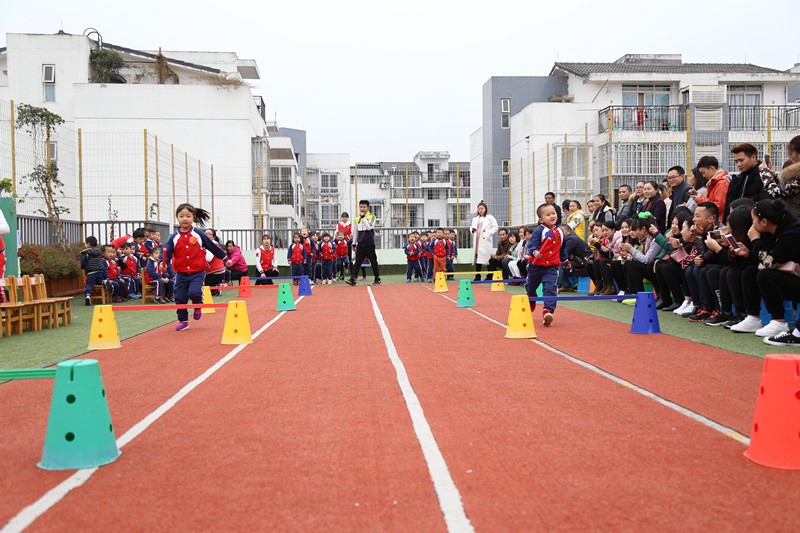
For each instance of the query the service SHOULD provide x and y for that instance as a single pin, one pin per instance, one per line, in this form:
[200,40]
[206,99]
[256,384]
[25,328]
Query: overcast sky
[383,80]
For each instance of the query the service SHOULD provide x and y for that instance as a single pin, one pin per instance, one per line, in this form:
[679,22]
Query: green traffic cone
[465,297]
[285,298]
[79,429]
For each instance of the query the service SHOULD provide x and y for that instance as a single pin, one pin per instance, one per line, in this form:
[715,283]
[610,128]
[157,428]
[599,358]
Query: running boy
[545,255]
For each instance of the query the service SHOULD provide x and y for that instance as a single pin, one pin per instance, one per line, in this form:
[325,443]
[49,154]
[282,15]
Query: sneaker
[364,278]
[750,324]
[182,326]
[197,314]
[547,317]
[689,311]
[718,319]
[159,301]
[629,301]
[735,319]
[376,282]
[408,280]
[108,285]
[170,299]
[700,315]
[88,300]
[784,339]
[350,282]
[773,329]
[672,307]
[566,289]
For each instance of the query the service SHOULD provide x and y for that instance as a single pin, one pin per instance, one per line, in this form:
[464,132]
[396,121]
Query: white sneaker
[688,310]
[751,324]
[682,308]
[773,329]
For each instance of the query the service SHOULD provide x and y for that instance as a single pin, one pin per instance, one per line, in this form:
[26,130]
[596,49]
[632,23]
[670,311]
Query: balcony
[759,117]
[643,118]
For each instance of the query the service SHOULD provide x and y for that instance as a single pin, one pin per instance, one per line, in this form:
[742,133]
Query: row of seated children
[428,253]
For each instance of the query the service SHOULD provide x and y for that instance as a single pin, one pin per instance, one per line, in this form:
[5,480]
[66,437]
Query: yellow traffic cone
[520,319]
[501,287]
[441,283]
[103,334]
[237,325]
[207,299]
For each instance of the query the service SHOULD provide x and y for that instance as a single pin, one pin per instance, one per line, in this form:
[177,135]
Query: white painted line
[26,516]
[728,432]
[455,516]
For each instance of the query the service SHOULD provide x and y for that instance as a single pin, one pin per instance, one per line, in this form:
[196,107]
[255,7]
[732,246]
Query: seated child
[119,288]
[162,282]
[95,268]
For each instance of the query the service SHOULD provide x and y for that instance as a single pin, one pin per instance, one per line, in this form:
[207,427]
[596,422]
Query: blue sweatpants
[188,286]
[95,278]
[413,267]
[327,269]
[547,277]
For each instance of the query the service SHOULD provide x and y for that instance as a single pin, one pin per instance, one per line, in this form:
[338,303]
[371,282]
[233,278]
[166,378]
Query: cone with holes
[285,299]
[498,287]
[645,316]
[79,429]
[103,334]
[441,283]
[775,440]
[305,287]
[237,324]
[520,319]
[245,289]
[207,299]
[465,296]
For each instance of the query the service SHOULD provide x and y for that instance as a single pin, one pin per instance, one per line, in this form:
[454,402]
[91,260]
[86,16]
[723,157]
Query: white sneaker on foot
[751,324]
[682,308]
[773,329]
[689,310]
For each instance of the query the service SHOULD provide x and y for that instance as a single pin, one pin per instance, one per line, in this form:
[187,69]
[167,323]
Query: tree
[43,179]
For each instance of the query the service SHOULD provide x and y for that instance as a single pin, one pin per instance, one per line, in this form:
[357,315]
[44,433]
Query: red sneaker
[547,317]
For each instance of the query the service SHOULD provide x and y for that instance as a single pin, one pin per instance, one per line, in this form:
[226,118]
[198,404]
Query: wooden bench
[148,291]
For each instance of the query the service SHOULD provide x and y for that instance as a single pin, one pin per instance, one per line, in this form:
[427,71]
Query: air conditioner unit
[384,185]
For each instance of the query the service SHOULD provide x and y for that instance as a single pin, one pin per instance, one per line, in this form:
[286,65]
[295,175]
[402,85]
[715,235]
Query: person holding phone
[717,182]
[785,185]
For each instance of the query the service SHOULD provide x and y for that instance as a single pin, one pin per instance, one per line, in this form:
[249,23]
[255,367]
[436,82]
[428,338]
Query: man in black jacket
[676,177]
[746,184]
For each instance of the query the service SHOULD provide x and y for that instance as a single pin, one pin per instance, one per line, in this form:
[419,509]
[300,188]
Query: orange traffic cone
[245,289]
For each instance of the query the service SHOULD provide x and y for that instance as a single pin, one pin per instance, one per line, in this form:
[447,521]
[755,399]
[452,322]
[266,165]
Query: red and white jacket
[347,229]
[266,259]
[327,251]
[190,251]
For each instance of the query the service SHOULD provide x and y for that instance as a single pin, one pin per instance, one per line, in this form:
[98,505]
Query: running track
[308,428]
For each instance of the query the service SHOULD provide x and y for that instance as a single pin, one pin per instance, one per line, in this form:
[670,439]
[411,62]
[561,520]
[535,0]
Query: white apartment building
[199,105]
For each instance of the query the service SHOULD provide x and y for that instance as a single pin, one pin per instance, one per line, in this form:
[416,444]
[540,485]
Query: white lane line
[26,516]
[455,516]
[728,432]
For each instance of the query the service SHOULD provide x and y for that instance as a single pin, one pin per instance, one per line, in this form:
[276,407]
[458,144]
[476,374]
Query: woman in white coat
[483,227]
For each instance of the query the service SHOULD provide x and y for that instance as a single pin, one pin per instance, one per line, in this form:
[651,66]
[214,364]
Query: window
[505,105]
[745,112]
[434,194]
[504,121]
[329,183]
[376,209]
[506,176]
[330,215]
[49,82]
[434,223]
[52,153]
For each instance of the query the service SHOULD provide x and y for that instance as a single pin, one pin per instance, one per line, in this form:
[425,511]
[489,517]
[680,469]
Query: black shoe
[350,282]
[477,277]
[671,307]
[699,316]
[376,282]
[88,300]
[718,319]
[108,285]
[784,339]
[735,319]
[661,304]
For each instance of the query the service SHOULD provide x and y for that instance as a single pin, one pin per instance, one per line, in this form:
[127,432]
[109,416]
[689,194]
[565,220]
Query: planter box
[66,286]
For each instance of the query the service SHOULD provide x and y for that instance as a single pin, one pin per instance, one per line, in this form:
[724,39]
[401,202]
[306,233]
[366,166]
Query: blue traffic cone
[645,316]
[305,287]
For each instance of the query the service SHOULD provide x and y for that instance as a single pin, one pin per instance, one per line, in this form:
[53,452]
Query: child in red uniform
[189,249]
[119,288]
[216,271]
[412,258]
[163,284]
[346,227]
[128,264]
[545,254]
[266,261]
[441,249]
[296,255]
[342,253]
[327,253]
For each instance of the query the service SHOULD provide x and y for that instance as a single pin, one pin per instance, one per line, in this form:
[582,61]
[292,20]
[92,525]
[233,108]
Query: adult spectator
[578,253]
[698,183]
[503,252]
[550,199]
[787,185]
[705,220]
[625,206]
[663,191]
[576,220]
[640,199]
[679,189]
[235,261]
[483,227]
[603,212]
[773,237]
[655,205]
[747,183]
[717,182]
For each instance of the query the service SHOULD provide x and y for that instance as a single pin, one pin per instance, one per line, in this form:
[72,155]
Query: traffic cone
[237,325]
[441,283]
[520,319]
[305,287]
[498,286]
[245,289]
[79,430]
[103,334]
[285,298]
[774,440]
[645,316]
[207,299]
[465,296]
